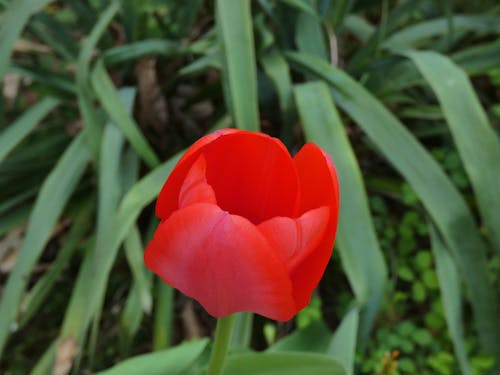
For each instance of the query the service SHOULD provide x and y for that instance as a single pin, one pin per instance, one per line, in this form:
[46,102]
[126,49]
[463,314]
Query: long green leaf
[17,131]
[14,19]
[134,252]
[477,143]
[314,338]
[175,361]
[360,253]
[38,294]
[92,278]
[91,119]
[439,196]
[412,36]
[242,331]
[55,192]
[343,344]
[234,22]
[278,71]
[109,194]
[108,96]
[449,283]
[133,51]
[282,364]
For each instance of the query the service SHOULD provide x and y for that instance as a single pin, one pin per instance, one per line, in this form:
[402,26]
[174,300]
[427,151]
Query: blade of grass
[414,35]
[55,192]
[439,196]
[310,37]
[477,142]
[134,253]
[131,317]
[343,344]
[242,331]
[14,18]
[18,130]
[92,278]
[109,194]
[278,71]
[449,283]
[38,294]
[234,22]
[91,119]
[301,5]
[137,50]
[360,254]
[175,361]
[109,98]
[61,82]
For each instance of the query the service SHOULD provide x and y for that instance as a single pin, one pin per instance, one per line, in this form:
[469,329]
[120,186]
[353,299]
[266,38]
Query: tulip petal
[295,239]
[168,199]
[318,187]
[222,261]
[195,188]
[253,176]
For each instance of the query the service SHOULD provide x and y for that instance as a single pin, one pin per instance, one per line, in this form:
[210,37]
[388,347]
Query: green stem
[222,337]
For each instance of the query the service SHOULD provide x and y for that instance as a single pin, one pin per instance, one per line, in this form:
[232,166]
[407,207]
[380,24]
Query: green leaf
[449,282]
[282,364]
[360,254]
[91,283]
[134,252]
[242,330]
[234,21]
[313,338]
[175,361]
[278,71]
[137,50]
[439,196]
[109,98]
[310,37]
[14,18]
[301,5]
[477,142]
[18,130]
[92,124]
[109,194]
[343,344]
[55,192]
[412,36]
[38,294]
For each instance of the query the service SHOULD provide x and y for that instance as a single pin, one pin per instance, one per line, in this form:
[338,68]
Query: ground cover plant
[100,98]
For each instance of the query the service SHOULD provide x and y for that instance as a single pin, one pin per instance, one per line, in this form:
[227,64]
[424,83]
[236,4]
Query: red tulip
[244,226]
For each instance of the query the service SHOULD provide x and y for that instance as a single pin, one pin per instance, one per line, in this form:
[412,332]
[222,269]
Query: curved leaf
[439,196]
[477,143]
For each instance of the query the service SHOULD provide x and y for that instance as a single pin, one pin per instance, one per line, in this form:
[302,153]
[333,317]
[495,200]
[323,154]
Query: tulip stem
[222,338]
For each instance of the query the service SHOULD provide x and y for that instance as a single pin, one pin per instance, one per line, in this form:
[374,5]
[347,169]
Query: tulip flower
[245,226]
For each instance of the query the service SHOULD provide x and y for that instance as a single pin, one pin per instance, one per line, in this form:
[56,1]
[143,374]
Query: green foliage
[101,97]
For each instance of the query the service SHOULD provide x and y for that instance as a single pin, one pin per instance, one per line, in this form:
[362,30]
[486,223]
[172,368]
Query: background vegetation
[99,99]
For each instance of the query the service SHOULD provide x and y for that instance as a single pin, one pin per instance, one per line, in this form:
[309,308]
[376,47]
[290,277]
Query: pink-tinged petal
[318,187]
[295,239]
[222,261]
[168,198]
[253,176]
[195,188]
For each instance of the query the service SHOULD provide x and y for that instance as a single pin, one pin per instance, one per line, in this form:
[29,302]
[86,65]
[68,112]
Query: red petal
[222,261]
[195,188]
[318,187]
[168,198]
[295,239]
[253,176]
